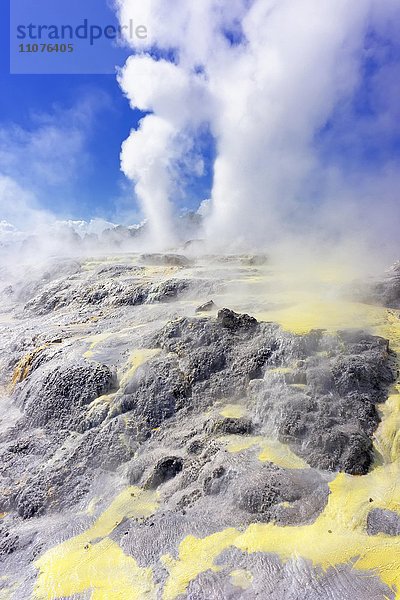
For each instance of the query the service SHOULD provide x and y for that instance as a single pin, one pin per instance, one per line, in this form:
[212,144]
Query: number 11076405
[33,48]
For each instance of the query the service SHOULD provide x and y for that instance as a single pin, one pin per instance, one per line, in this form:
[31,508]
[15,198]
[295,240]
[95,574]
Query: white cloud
[39,164]
[265,96]
[50,151]
[178,103]
[19,206]
[82,227]
[9,233]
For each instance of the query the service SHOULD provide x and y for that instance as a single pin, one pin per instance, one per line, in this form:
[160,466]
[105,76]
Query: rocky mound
[227,421]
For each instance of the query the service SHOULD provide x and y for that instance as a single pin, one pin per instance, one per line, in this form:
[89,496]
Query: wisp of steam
[276,84]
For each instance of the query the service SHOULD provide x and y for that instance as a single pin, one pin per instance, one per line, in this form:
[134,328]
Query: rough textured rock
[225,425]
[56,395]
[384,291]
[111,379]
[330,420]
[275,493]
[173,260]
[232,320]
[206,307]
[165,469]
[104,292]
[110,285]
[265,576]
[383,521]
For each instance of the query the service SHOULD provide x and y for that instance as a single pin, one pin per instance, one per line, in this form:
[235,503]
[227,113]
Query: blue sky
[94,108]
[96,186]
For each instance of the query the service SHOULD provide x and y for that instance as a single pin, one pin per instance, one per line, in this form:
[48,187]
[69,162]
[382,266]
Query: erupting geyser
[276,84]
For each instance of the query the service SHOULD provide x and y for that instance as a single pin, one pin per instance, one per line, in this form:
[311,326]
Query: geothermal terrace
[198,428]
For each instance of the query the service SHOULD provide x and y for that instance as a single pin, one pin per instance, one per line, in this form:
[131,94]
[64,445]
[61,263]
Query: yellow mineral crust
[195,556]
[339,534]
[94,341]
[241,578]
[233,411]
[322,314]
[137,358]
[271,450]
[23,366]
[92,561]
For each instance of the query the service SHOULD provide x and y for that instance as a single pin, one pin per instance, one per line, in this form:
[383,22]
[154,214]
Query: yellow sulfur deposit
[233,411]
[94,341]
[240,443]
[280,454]
[387,440]
[322,314]
[241,578]
[195,556]
[339,534]
[137,358]
[271,450]
[23,366]
[92,561]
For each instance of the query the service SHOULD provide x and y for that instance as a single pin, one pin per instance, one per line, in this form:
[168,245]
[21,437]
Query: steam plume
[276,83]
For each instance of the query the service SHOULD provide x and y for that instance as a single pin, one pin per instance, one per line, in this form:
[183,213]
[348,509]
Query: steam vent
[198,427]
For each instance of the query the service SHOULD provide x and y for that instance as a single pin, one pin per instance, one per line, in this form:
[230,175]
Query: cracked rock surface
[122,372]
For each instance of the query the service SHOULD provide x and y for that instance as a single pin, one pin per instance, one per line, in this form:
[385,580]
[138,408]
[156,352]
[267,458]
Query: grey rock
[160,427]
[262,494]
[56,394]
[173,260]
[206,307]
[165,469]
[383,521]
[228,426]
[234,321]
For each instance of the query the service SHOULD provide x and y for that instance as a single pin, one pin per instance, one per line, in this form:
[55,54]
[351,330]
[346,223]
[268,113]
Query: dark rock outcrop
[167,468]
[56,394]
[206,307]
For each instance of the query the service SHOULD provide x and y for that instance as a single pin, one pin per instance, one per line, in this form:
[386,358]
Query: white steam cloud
[266,76]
